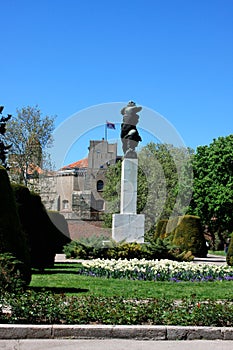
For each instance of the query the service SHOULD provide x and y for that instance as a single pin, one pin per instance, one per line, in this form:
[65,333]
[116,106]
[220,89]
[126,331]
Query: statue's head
[131,103]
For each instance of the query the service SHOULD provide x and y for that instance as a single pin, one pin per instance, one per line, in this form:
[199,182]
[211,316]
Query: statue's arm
[123,111]
[137,109]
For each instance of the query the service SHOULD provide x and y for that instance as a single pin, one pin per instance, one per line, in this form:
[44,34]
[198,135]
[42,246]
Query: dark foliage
[94,249]
[185,232]
[11,279]
[45,239]
[48,308]
[230,252]
[12,238]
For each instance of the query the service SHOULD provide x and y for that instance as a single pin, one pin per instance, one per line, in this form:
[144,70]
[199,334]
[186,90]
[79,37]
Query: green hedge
[160,230]
[61,230]
[12,238]
[185,232]
[230,252]
[45,239]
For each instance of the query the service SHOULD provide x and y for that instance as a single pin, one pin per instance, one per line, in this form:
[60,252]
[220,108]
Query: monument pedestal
[128,225]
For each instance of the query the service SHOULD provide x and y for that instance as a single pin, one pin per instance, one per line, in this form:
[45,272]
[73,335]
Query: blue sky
[174,57]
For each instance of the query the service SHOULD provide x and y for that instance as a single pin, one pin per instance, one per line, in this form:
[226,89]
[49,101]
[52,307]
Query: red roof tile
[83,163]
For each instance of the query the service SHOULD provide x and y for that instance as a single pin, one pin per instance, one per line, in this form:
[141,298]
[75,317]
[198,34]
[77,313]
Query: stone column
[128,225]
[129,186]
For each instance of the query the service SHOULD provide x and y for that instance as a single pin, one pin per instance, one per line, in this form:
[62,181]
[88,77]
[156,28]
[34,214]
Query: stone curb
[15,331]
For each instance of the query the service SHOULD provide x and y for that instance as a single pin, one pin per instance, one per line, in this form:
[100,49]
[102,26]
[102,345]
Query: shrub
[11,279]
[12,237]
[126,251]
[45,239]
[229,257]
[184,232]
[61,230]
[158,249]
[46,308]
[188,235]
[88,247]
[105,248]
[160,230]
[41,234]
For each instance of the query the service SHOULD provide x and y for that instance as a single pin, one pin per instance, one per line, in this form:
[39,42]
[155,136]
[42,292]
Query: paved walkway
[210,259]
[113,344]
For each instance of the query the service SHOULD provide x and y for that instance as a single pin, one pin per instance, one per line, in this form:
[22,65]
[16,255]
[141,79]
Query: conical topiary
[188,235]
[185,232]
[47,232]
[12,238]
[230,252]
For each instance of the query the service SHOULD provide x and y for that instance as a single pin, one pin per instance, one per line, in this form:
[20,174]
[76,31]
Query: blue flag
[110,125]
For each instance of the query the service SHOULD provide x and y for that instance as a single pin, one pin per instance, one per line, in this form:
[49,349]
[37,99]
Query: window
[65,204]
[100,185]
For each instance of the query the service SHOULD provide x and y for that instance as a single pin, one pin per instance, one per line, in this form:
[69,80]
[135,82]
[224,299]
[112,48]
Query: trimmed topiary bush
[188,235]
[230,253]
[185,232]
[12,238]
[45,239]
[160,230]
[62,230]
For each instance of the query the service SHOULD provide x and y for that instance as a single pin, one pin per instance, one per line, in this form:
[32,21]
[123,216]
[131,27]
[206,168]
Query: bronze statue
[129,133]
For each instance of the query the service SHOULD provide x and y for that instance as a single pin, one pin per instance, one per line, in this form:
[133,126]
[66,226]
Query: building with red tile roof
[76,189]
[83,163]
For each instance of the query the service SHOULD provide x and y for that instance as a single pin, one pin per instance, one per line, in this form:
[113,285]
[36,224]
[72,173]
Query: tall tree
[164,183]
[213,187]
[168,174]
[30,134]
[4,149]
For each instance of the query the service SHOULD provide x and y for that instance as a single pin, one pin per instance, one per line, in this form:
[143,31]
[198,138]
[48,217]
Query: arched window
[100,185]
[65,204]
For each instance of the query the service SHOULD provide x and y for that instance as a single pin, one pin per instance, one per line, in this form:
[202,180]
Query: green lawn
[63,278]
[217,252]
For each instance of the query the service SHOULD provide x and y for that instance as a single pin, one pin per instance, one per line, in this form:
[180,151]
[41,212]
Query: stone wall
[81,228]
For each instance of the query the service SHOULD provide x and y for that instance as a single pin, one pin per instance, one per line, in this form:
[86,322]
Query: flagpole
[105,131]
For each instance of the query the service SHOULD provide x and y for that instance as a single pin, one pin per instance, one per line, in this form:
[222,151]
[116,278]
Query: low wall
[86,228]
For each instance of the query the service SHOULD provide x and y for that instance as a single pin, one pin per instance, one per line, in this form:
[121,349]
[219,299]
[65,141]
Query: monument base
[128,227]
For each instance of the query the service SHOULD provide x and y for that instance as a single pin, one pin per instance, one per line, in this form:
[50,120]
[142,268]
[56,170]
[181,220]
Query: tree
[164,183]
[111,192]
[168,173]
[30,135]
[4,149]
[213,187]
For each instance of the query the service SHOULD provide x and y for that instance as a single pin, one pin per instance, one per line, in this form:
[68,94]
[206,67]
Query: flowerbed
[154,270]
[46,308]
